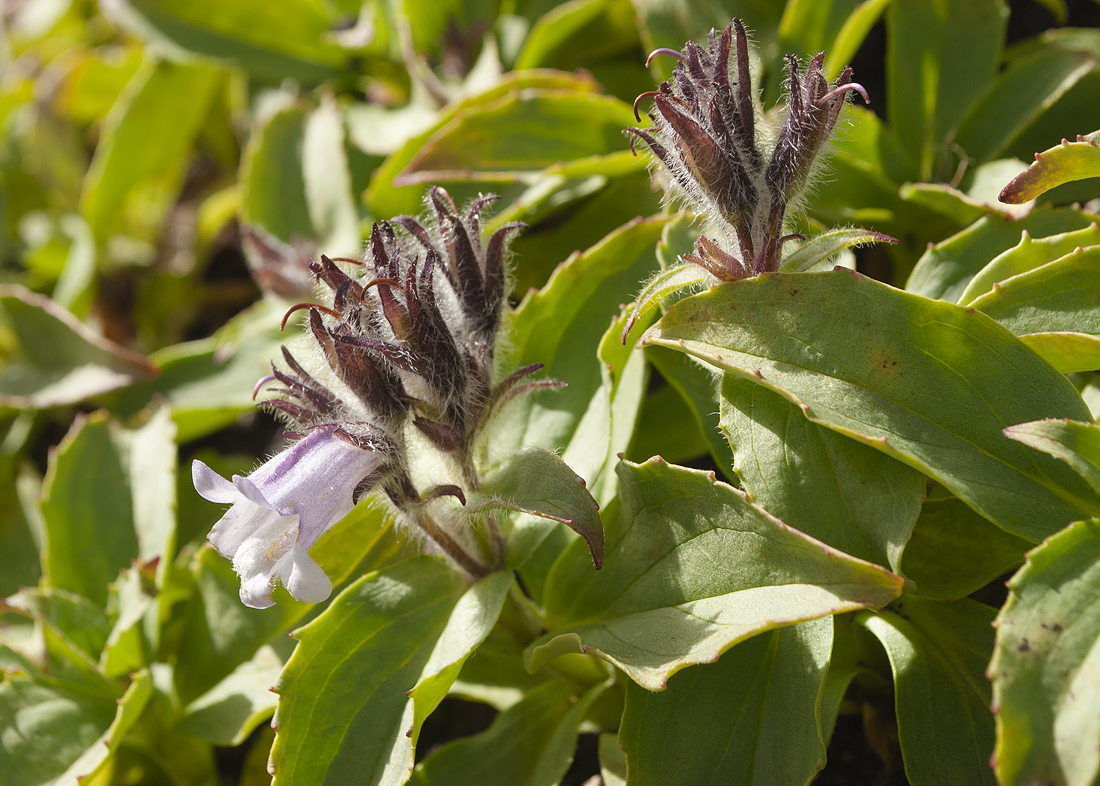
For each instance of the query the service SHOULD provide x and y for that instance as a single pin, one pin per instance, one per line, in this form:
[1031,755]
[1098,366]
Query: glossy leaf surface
[558,326]
[1070,353]
[385,198]
[699,387]
[232,709]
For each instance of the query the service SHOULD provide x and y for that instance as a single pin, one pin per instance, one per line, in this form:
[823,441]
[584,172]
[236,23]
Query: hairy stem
[449,545]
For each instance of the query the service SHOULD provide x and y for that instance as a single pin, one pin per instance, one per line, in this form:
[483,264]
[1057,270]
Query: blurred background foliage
[168,166]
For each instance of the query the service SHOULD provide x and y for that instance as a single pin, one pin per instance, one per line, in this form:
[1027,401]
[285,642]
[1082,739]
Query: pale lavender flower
[282,508]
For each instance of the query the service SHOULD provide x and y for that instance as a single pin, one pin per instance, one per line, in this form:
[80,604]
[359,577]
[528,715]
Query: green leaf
[51,359]
[737,570]
[1027,255]
[954,551]
[147,135]
[1023,92]
[518,135]
[1070,353]
[92,86]
[20,542]
[230,711]
[833,488]
[135,636]
[946,269]
[580,31]
[558,326]
[273,192]
[372,666]
[273,43]
[1044,662]
[1057,9]
[72,625]
[852,34]
[378,130]
[88,509]
[604,432]
[612,760]
[663,286]
[809,26]
[1074,113]
[1063,163]
[927,382]
[750,718]
[49,729]
[529,744]
[959,207]
[625,380]
[819,249]
[565,215]
[940,58]
[152,457]
[1077,444]
[539,483]
[1053,309]
[698,387]
[872,147]
[97,757]
[385,199]
[76,286]
[327,182]
[854,650]
[208,383]
[1063,295]
[494,674]
[938,652]
[471,620]
[108,498]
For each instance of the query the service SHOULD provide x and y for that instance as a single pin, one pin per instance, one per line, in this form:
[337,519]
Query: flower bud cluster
[705,133]
[409,339]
